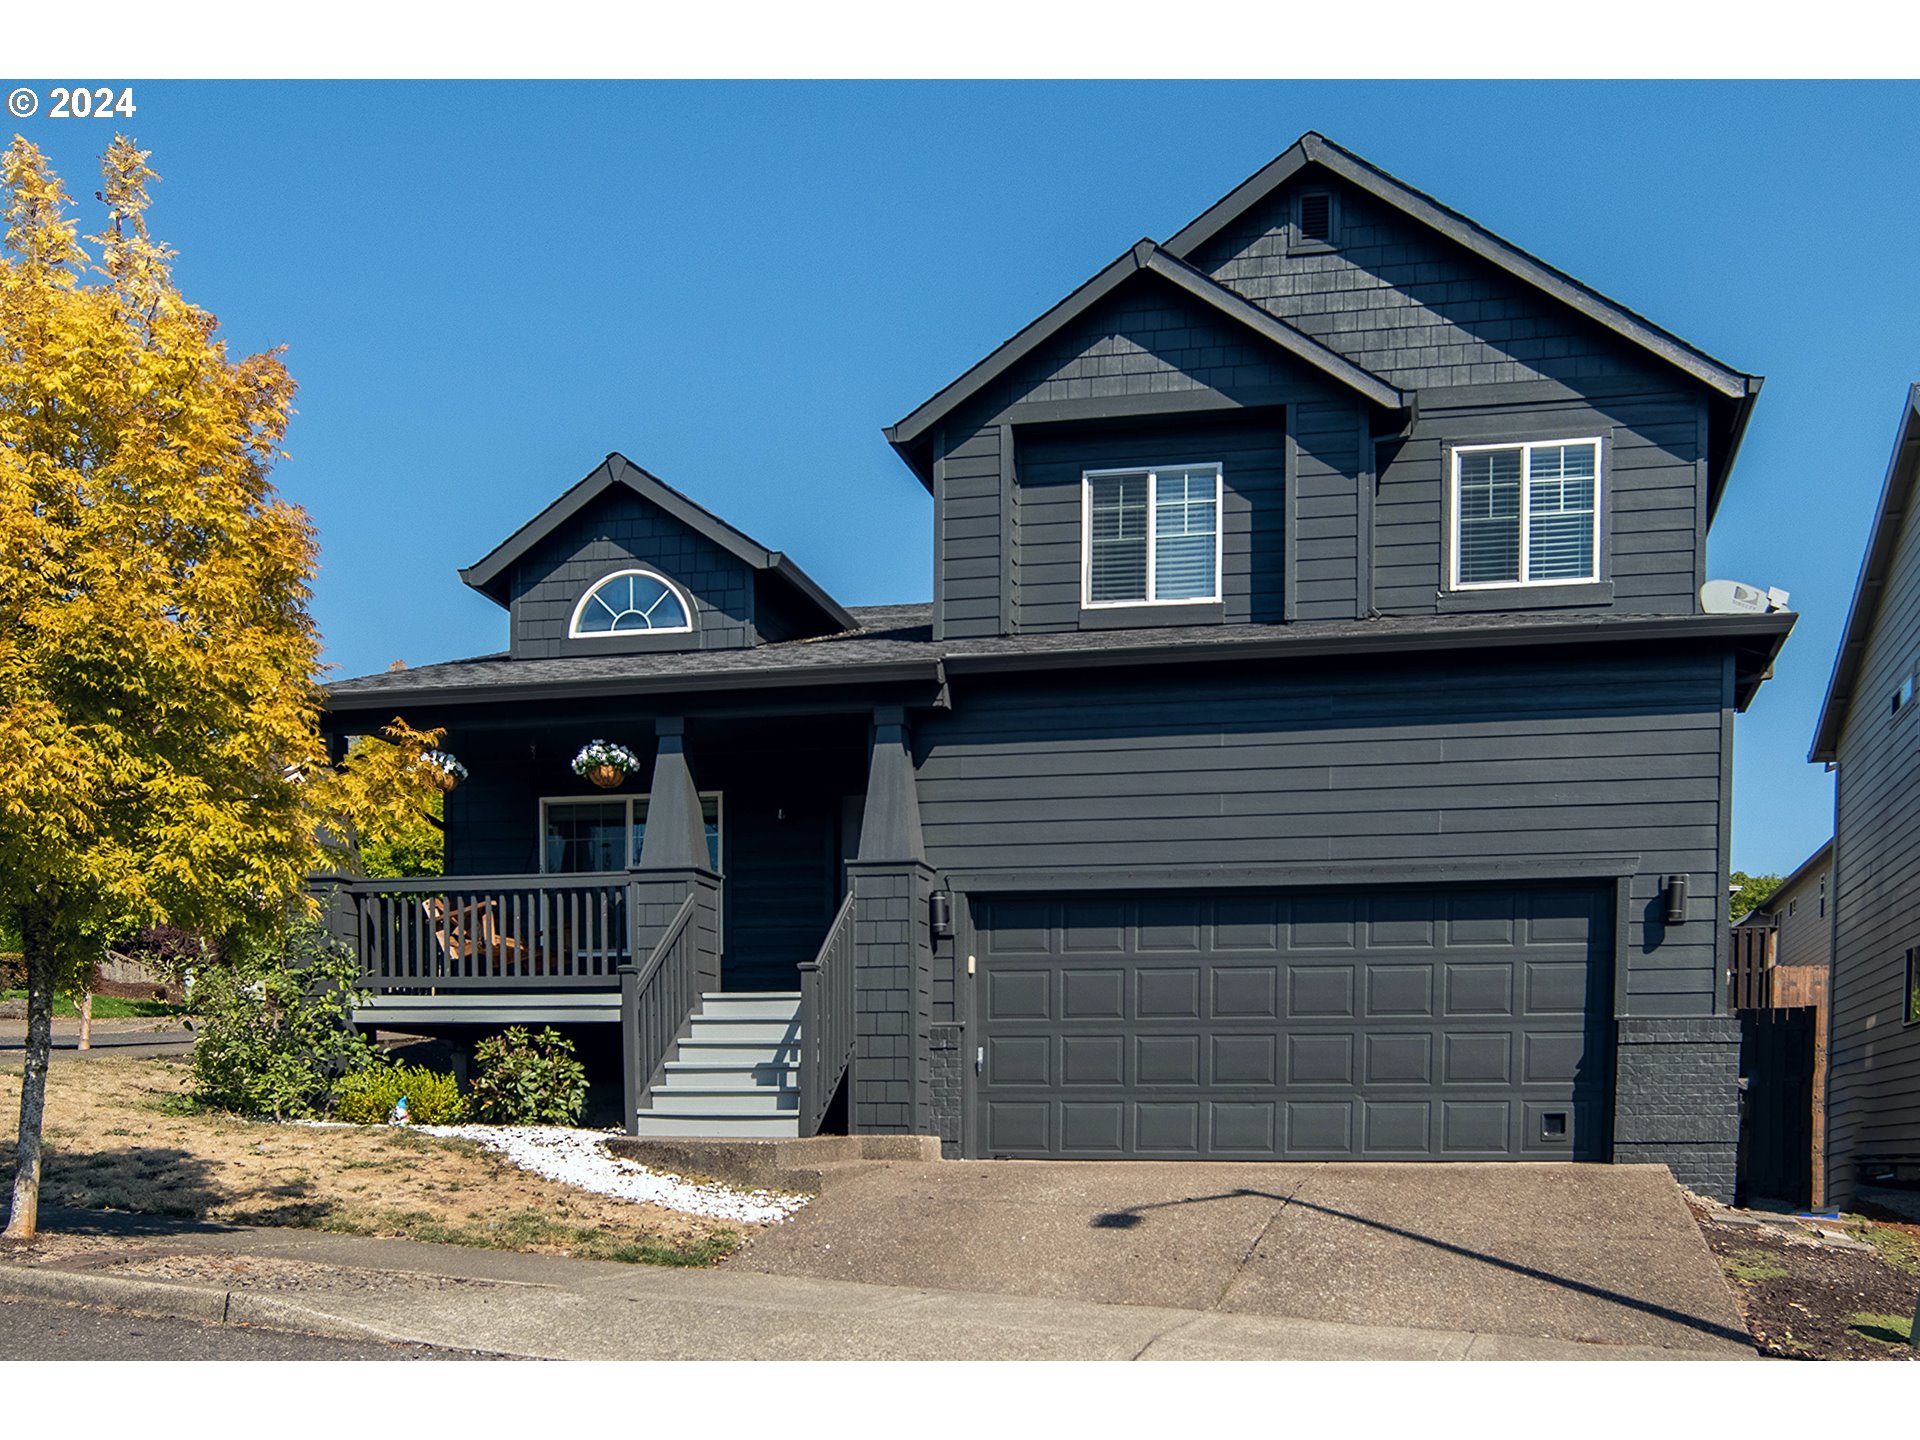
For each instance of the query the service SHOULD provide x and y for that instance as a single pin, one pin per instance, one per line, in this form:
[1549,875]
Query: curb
[193,1302]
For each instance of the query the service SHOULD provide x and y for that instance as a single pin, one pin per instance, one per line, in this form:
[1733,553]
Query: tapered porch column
[893,955]
[676,836]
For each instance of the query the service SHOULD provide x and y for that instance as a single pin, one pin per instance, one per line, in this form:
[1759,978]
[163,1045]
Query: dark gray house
[1314,748]
[1867,732]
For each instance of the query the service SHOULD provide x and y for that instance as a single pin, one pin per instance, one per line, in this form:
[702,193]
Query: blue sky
[484,288]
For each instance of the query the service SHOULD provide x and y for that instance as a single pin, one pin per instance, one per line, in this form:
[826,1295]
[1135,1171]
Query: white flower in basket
[605,763]
[446,771]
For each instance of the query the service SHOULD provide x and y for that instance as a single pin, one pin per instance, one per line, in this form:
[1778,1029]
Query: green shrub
[367,1097]
[276,1028]
[528,1079]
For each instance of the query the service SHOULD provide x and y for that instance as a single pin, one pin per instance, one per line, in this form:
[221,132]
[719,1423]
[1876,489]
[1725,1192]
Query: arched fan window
[631,602]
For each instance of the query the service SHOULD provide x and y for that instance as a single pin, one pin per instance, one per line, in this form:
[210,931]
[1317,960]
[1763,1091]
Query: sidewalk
[535,1306]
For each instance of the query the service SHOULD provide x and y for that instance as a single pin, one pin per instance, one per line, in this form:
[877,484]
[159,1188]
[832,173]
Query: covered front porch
[704,906]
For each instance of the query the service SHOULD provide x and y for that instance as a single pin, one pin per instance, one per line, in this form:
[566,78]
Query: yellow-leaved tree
[159,697]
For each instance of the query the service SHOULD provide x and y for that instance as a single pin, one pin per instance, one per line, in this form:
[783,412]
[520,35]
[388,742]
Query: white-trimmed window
[588,834]
[1150,536]
[1526,514]
[631,602]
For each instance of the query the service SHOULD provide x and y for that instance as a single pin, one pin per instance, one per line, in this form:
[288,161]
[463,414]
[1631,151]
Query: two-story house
[1314,748]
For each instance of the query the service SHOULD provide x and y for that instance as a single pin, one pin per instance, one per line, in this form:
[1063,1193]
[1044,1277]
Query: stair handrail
[826,1019]
[653,1009]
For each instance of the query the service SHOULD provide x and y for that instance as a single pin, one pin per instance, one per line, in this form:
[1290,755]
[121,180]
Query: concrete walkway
[540,1307]
[1595,1254]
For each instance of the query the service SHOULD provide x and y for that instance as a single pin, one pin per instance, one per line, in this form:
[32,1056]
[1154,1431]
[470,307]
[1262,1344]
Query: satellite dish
[1730,597]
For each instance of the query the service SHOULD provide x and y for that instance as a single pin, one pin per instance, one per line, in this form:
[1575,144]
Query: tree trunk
[86,1019]
[42,973]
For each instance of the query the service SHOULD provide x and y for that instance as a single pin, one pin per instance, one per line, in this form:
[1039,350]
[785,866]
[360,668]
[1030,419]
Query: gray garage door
[1443,1025]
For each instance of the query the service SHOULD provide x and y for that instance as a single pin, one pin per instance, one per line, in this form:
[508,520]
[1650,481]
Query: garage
[1442,1024]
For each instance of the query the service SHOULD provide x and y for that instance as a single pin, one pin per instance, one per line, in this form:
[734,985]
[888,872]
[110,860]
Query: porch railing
[490,932]
[826,1020]
[658,994]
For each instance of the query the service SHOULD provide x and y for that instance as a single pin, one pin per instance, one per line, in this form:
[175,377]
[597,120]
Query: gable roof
[1313,148]
[1896,501]
[492,575]
[1145,257]
[1733,392]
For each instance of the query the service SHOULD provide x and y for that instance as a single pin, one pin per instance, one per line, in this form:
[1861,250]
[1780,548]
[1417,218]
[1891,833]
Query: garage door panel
[1093,994]
[1321,924]
[1397,922]
[1020,1059]
[1320,992]
[1426,1024]
[1093,1128]
[1472,1128]
[1399,990]
[1252,925]
[1320,1127]
[1320,1060]
[1167,1059]
[1169,1129]
[1476,1059]
[1019,994]
[1244,1060]
[1093,1060]
[1396,1128]
[1399,1059]
[1245,1127]
[1242,992]
[1167,994]
[1169,925]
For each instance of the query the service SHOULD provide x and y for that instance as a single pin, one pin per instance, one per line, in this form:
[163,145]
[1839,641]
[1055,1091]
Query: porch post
[892,948]
[676,837]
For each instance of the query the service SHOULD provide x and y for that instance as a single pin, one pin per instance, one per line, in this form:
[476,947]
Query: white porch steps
[738,1073]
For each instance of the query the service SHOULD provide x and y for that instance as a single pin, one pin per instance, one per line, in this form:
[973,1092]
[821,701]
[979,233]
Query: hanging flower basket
[443,769]
[605,763]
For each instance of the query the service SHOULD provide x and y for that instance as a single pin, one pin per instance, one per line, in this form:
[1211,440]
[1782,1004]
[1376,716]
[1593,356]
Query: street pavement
[41,1330]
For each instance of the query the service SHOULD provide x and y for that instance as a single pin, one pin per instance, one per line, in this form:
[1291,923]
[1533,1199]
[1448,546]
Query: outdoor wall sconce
[1676,899]
[940,914]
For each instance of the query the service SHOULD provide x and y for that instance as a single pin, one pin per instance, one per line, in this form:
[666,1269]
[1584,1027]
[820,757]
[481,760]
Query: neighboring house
[1314,748]
[1797,919]
[1780,968]
[1868,734]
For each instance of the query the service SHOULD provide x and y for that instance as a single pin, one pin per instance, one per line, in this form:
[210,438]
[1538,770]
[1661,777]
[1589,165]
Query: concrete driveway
[1605,1254]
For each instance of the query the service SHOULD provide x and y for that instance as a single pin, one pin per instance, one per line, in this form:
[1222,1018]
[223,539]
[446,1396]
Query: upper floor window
[630,602]
[1151,537]
[1526,514]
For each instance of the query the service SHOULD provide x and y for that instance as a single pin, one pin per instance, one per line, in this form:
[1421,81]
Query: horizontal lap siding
[1651,496]
[970,529]
[1874,1059]
[1327,464]
[1417,764]
[1252,456]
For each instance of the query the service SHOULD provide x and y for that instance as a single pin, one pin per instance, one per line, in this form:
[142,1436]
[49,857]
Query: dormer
[623,564]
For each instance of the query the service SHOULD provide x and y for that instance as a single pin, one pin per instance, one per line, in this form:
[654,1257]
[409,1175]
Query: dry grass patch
[124,1134]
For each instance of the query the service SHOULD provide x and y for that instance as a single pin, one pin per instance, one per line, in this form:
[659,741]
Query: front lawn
[105,1007]
[124,1134]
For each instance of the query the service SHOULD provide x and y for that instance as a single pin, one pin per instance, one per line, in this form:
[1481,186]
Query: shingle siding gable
[1406,304]
[619,530]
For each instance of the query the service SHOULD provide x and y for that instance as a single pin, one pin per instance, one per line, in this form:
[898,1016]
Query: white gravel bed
[581,1158]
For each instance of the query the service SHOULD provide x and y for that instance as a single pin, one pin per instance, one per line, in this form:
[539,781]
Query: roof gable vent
[1316,217]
